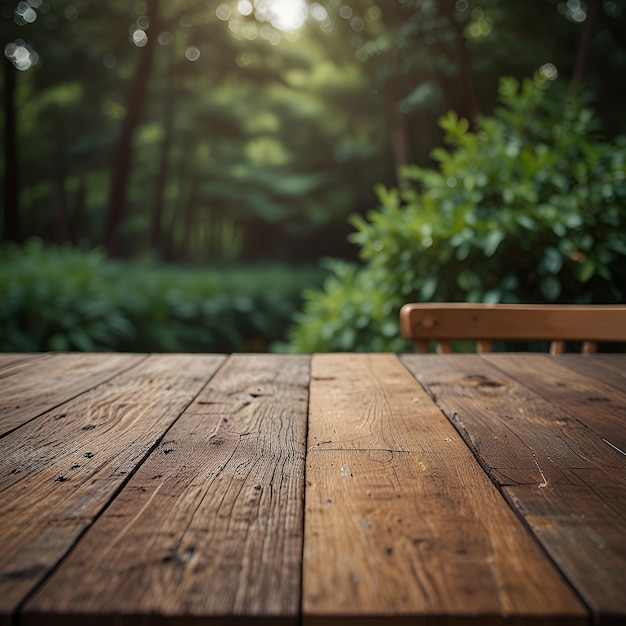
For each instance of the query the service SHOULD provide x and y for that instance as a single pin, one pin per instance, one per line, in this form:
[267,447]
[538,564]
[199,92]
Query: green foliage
[257,143]
[529,207]
[62,299]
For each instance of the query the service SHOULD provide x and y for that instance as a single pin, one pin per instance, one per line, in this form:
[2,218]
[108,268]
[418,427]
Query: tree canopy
[217,130]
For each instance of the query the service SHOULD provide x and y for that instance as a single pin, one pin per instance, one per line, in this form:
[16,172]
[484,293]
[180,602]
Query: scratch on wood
[395,474]
[345,471]
[614,447]
[126,528]
[545,482]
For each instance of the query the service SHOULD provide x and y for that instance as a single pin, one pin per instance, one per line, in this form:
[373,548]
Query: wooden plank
[11,368]
[15,358]
[57,473]
[566,483]
[586,539]
[400,519]
[47,383]
[608,368]
[599,406]
[210,527]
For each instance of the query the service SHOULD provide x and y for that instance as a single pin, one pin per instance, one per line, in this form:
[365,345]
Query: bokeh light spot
[140,39]
[266,32]
[165,38]
[244,7]
[327,25]
[549,71]
[357,24]
[24,11]
[192,53]
[250,31]
[285,15]
[244,59]
[223,12]
[143,21]
[374,13]
[346,12]
[318,12]
[574,10]
[20,55]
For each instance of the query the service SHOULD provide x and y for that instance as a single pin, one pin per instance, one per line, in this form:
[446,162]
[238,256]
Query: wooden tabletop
[333,489]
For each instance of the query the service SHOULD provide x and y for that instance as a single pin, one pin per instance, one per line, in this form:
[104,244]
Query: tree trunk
[124,152]
[399,128]
[60,210]
[190,221]
[401,144]
[174,234]
[161,181]
[11,221]
[469,105]
[81,222]
[583,48]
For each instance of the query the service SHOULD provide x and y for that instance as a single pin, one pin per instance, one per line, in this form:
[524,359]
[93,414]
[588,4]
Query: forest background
[174,170]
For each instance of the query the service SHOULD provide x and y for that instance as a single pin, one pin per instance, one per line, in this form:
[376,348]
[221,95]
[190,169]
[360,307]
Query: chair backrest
[483,323]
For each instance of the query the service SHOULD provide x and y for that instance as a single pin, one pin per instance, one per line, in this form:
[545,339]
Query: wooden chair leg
[484,346]
[422,346]
[589,347]
[557,347]
[444,347]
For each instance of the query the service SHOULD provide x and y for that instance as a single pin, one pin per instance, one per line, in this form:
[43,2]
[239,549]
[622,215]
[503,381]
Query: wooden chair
[484,323]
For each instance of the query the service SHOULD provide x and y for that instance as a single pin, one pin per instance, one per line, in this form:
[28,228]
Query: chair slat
[484,323]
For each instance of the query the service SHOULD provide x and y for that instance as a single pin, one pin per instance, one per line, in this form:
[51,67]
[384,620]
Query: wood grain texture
[607,368]
[11,359]
[209,530]
[531,433]
[599,406]
[400,519]
[48,382]
[58,472]
[463,320]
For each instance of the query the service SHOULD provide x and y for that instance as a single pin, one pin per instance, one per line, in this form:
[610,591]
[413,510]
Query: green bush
[528,207]
[62,299]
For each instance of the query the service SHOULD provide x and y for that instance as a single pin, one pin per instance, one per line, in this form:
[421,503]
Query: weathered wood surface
[601,407]
[59,471]
[12,359]
[607,368]
[41,385]
[210,527]
[401,521]
[157,494]
[539,432]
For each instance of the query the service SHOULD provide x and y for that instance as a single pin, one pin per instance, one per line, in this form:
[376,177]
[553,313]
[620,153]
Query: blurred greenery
[209,134]
[209,131]
[529,207]
[60,298]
